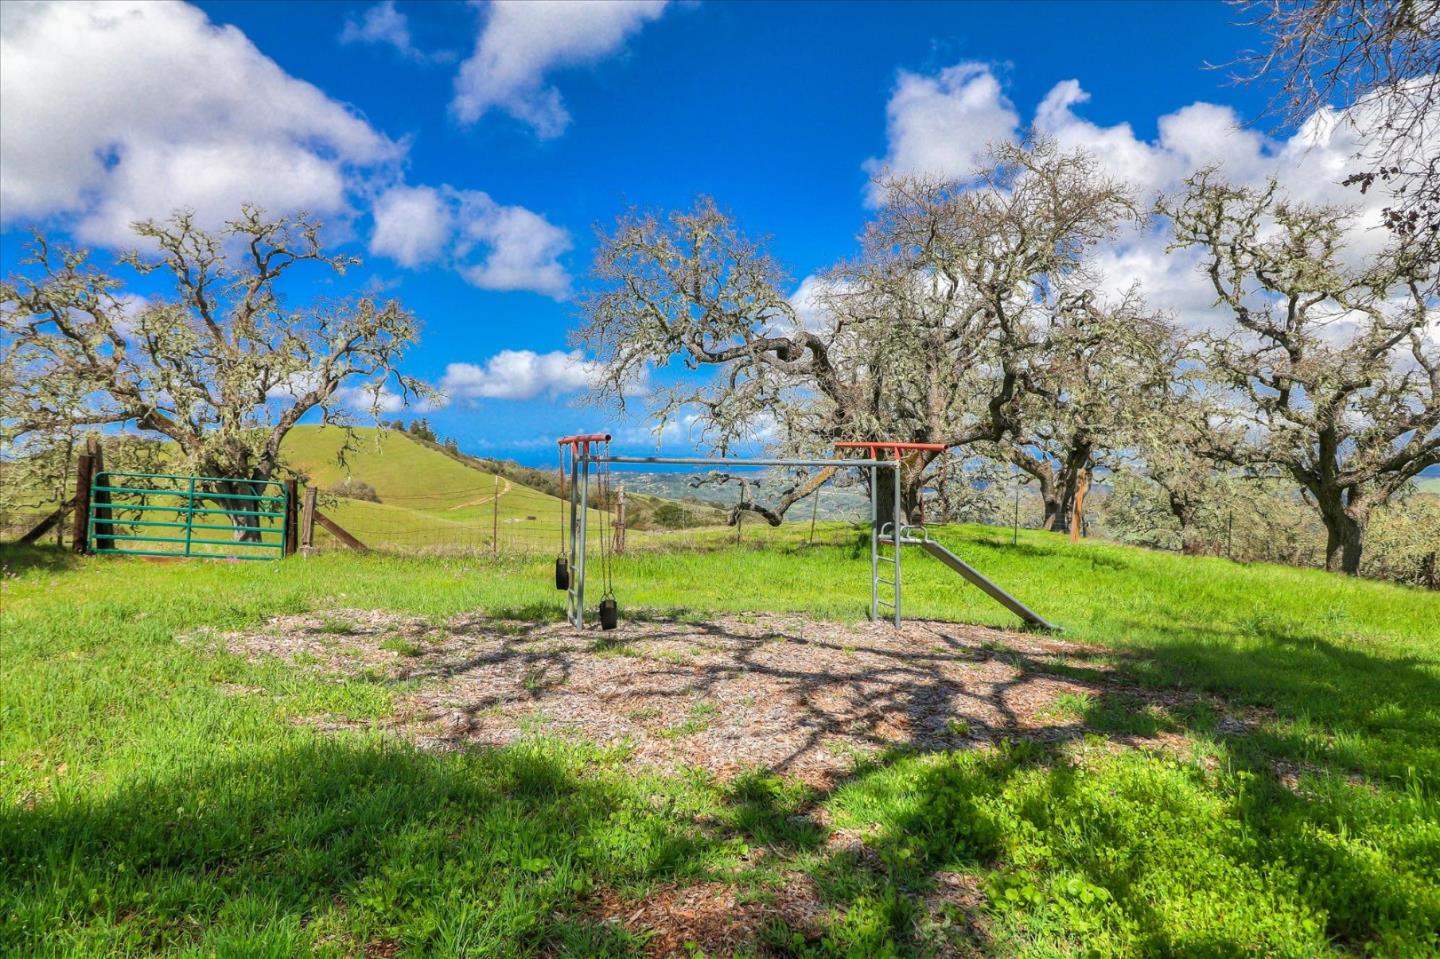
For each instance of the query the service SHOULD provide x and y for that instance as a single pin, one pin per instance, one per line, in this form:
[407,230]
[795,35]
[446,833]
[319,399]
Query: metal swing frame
[882,536]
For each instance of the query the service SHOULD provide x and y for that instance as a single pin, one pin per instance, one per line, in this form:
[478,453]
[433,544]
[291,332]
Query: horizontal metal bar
[882,445]
[180,541]
[203,479]
[149,552]
[198,494]
[224,527]
[180,508]
[183,494]
[887,582]
[716,461]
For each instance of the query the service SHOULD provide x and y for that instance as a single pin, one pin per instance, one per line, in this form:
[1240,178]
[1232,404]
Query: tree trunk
[1345,512]
[1345,535]
[911,485]
[1057,486]
[244,519]
[1077,509]
[1184,511]
[1054,518]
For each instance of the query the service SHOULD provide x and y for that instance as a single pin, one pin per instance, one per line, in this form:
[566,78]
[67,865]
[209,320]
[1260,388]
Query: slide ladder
[919,536]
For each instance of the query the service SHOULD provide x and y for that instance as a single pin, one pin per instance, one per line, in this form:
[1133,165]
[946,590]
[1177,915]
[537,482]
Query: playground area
[892,523]
[790,695]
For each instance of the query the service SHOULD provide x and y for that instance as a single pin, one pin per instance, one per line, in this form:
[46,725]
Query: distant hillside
[848,503]
[1429,484]
[425,497]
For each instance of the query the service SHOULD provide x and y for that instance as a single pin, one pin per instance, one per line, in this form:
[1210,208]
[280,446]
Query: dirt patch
[800,697]
[714,917]
[951,919]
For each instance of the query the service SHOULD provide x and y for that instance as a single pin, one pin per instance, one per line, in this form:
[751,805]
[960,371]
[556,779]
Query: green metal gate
[132,514]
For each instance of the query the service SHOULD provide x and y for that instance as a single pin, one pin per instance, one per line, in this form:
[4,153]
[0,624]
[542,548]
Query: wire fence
[15,524]
[501,517]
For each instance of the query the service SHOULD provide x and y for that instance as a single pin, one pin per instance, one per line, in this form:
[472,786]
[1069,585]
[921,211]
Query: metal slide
[979,579]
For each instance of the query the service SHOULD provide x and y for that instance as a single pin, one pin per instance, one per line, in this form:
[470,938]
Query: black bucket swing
[609,608]
[562,563]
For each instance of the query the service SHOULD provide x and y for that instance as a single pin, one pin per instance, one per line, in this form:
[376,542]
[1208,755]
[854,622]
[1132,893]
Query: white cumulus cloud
[384,25]
[112,112]
[521,248]
[413,225]
[519,375]
[521,42]
[808,303]
[491,245]
[943,124]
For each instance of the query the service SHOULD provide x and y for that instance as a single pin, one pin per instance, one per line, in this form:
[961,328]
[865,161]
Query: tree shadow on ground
[18,558]
[348,848]
[1241,764]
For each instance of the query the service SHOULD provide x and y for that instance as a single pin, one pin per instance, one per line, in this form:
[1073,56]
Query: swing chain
[606,559]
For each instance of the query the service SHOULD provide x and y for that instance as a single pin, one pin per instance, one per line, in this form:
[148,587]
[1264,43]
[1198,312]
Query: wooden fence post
[292,512]
[102,498]
[307,522]
[80,534]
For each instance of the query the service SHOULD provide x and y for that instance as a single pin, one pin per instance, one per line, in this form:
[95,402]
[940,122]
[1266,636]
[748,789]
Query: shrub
[353,488]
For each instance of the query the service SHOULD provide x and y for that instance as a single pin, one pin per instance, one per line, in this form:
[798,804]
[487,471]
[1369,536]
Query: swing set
[592,450]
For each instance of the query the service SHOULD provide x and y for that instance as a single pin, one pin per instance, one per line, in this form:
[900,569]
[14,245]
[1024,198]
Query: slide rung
[887,582]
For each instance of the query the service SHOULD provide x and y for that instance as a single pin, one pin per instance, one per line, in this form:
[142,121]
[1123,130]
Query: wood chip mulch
[715,917]
[797,696]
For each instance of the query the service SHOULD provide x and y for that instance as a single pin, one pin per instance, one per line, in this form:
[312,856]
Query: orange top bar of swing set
[875,448]
[583,438]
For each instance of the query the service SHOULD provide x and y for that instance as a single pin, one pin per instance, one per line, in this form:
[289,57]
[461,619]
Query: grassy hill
[427,499]
[1429,484]
[431,499]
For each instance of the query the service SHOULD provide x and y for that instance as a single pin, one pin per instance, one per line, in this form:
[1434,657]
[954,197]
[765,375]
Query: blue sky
[467,151]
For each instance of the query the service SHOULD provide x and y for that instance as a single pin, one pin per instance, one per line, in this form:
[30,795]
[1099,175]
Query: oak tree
[923,337]
[1333,368]
[224,365]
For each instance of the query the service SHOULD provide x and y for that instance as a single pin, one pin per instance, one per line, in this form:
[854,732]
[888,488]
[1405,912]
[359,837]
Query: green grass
[147,807]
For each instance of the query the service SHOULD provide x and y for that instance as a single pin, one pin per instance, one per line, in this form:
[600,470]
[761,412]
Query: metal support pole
[190,516]
[874,545]
[580,565]
[574,500]
[896,528]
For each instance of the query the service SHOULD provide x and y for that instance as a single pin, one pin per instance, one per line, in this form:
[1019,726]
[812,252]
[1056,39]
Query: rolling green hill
[1429,484]
[426,498]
